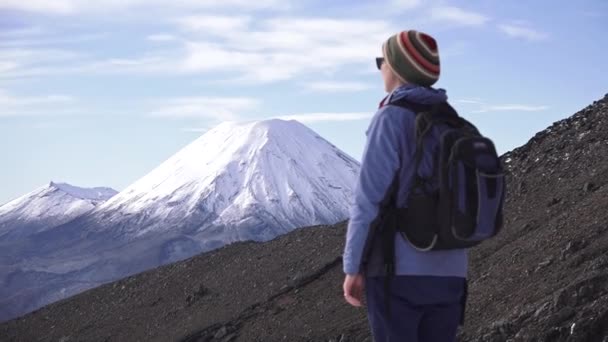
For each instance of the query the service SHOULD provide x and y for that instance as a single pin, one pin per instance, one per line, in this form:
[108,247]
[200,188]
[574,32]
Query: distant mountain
[47,207]
[543,278]
[237,182]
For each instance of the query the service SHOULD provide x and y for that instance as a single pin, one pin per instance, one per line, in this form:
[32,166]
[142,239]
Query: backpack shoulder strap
[421,128]
[427,116]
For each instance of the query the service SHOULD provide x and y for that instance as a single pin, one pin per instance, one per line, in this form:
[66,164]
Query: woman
[424,300]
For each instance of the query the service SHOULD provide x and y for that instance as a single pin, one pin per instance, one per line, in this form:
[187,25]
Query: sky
[99,93]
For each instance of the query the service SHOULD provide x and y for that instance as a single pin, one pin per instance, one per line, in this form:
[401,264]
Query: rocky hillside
[545,278]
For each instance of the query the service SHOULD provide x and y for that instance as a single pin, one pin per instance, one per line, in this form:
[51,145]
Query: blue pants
[422,308]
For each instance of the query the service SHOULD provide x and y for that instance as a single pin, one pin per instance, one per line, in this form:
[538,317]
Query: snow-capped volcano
[237,182]
[248,181]
[48,207]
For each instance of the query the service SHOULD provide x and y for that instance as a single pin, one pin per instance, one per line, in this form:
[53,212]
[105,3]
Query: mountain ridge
[49,206]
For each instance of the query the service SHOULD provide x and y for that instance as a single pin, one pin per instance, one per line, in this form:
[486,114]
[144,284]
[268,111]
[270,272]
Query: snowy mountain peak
[47,207]
[234,174]
[97,193]
[278,125]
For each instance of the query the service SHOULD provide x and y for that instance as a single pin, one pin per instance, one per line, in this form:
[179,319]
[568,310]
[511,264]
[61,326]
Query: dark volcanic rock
[544,278]
[546,270]
[290,286]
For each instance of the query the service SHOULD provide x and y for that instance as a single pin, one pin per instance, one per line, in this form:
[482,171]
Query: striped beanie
[413,56]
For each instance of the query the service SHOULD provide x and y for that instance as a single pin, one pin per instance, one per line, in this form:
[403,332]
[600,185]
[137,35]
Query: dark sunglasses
[379,61]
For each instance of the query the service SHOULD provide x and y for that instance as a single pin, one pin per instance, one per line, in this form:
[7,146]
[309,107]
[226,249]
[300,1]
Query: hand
[354,285]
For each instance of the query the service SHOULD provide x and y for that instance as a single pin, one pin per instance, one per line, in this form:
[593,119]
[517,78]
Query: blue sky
[98,93]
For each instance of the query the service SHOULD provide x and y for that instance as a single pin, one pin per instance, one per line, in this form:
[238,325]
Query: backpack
[460,205]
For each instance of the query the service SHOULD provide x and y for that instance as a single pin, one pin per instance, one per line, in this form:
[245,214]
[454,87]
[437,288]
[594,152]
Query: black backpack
[460,205]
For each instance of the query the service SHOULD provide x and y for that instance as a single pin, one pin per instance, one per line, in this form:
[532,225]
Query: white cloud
[332,87]
[7,99]
[262,51]
[470,101]
[484,107]
[27,56]
[22,32]
[7,66]
[406,4]
[27,62]
[19,105]
[161,37]
[50,40]
[305,118]
[31,52]
[207,56]
[131,63]
[215,108]
[209,24]
[283,48]
[511,108]
[328,28]
[56,6]
[458,16]
[326,117]
[519,31]
[71,7]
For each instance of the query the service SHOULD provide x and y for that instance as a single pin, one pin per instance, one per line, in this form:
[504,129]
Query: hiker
[419,295]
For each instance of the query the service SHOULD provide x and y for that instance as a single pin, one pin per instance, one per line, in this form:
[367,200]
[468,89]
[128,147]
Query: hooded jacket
[390,145]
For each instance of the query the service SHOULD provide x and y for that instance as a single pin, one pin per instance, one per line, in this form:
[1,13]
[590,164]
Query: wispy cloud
[161,37]
[458,16]
[483,107]
[6,66]
[22,32]
[305,118]
[326,117]
[7,99]
[29,56]
[470,101]
[406,4]
[511,108]
[72,7]
[37,51]
[336,87]
[285,47]
[50,40]
[251,52]
[208,24]
[40,62]
[56,7]
[214,108]
[27,62]
[523,32]
[23,105]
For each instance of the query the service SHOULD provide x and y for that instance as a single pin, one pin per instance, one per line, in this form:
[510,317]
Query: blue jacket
[389,136]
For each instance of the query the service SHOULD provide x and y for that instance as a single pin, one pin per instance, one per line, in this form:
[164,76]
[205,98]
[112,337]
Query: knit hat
[413,56]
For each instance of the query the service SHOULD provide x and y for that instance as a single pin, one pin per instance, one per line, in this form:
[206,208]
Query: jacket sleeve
[380,162]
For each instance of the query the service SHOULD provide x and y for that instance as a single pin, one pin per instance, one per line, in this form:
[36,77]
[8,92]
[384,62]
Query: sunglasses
[379,62]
